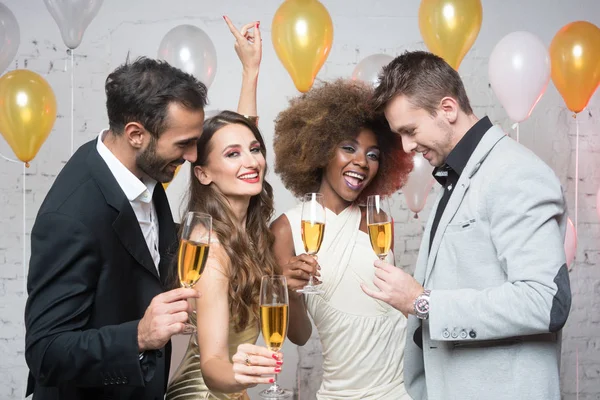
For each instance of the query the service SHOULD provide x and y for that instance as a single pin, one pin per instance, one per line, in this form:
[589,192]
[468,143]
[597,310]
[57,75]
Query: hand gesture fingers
[251,363]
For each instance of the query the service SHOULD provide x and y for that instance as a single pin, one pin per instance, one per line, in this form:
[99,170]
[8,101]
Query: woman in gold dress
[227,182]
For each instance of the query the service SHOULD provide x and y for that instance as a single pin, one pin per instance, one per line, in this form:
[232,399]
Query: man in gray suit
[491,292]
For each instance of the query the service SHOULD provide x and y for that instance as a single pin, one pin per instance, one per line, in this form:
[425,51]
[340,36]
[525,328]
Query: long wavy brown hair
[249,249]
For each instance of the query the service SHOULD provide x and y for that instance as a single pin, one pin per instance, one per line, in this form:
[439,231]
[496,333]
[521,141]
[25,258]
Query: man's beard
[155,166]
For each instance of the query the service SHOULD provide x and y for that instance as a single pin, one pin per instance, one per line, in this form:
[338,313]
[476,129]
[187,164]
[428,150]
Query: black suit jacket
[91,278]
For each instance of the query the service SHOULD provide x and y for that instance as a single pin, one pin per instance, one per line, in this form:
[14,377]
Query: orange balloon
[166,184]
[575,59]
[450,27]
[302,34]
[27,112]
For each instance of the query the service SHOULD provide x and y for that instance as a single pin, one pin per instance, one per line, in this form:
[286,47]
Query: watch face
[423,305]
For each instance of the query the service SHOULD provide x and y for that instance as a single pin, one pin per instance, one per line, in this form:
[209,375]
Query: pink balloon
[570,242]
[519,72]
[419,184]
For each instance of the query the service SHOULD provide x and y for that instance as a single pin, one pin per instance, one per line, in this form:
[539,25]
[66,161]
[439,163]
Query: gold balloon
[27,112]
[166,184]
[450,27]
[575,59]
[302,34]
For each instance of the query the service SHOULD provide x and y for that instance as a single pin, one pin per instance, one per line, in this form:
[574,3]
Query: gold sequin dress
[188,383]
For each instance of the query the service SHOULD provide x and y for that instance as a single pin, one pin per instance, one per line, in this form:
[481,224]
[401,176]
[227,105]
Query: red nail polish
[225,18]
[275,357]
[277,370]
[279,363]
[258,24]
[271,380]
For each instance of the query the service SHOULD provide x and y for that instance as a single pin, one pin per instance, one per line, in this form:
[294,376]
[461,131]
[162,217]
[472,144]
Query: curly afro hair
[309,130]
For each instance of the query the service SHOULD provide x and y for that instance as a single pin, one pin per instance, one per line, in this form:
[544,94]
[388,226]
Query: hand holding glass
[313,229]
[274,305]
[193,252]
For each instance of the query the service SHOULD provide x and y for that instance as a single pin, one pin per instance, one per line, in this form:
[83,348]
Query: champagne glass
[313,229]
[379,223]
[193,253]
[274,305]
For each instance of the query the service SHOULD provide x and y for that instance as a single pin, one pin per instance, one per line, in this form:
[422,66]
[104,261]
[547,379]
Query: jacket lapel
[128,230]
[485,146]
[126,225]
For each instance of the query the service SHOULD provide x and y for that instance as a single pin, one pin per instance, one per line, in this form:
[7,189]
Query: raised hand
[248,44]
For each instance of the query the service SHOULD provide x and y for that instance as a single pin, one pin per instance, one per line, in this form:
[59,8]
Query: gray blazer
[500,286]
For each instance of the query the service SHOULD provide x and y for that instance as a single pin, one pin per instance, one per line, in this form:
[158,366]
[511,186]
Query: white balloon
[10,37]
[570,242]
[519,72]
[419,184]
[73,17]
[190,49]
[369,68]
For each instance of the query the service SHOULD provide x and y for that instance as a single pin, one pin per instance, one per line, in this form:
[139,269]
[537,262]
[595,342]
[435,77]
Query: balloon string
[24,233]
[72,102]
[576,210]
[576,169]
[24,251]
[516,126]
[577,372]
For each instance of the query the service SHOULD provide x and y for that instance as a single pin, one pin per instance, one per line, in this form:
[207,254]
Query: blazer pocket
[462,226]
[486,344]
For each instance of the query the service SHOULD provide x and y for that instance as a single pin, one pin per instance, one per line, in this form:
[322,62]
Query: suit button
[125,381]
[463,334]
[446,334]
[454,334]
[473,334]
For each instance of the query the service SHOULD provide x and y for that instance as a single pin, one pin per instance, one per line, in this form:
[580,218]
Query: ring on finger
[247,360]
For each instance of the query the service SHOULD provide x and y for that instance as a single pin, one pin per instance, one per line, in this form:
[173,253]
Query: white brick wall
[361,28]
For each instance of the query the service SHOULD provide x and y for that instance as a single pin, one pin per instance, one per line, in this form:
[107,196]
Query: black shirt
[447,175]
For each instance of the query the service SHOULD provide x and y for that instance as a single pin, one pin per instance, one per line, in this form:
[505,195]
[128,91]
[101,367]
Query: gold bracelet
[252,118]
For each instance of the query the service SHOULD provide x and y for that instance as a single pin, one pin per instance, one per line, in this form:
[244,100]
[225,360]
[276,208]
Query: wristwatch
[421,305]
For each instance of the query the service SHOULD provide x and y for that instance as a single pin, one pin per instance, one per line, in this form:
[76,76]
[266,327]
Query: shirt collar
[133,187]
[459,156]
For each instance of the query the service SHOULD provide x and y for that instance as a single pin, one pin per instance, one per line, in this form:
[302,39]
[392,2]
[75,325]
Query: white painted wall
[361,28]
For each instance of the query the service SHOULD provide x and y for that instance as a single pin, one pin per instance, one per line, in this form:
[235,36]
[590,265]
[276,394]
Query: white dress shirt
[139,193]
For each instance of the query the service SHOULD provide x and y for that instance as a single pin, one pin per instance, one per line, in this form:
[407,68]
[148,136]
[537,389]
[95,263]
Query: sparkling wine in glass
[193,253]
[379,224]
[313,229]
[274,317]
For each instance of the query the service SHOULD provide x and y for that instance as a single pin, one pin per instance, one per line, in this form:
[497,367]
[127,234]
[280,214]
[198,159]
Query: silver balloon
[369,68]
[73,17]
[189,48]
[10,37]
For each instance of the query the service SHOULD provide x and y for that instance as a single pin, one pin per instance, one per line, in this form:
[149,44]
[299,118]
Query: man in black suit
[98,318]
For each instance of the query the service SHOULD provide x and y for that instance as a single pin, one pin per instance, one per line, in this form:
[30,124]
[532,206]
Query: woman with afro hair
[330,141]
